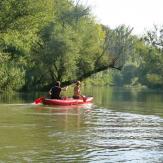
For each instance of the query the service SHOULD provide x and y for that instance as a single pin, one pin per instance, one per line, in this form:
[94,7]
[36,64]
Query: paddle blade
[39,100]
[84,98]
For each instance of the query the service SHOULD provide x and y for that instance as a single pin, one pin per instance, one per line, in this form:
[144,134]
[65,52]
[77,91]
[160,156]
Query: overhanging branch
[90,73]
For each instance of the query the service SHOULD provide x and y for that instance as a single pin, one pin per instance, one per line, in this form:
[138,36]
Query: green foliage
[21,20]
[120,44]
[92,39]
[68,47]
[44,41]
[100,79]
[12,76]
[58,54]
[128,75]
[154,80]
[148,61]
[23,14]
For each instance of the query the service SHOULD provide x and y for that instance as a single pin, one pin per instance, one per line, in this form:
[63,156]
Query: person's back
[55,91]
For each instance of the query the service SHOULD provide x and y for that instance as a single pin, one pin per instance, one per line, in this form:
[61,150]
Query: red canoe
[67,101]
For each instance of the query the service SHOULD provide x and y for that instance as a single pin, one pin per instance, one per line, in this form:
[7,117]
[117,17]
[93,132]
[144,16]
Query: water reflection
[128,100]
[19,98]
[121,126]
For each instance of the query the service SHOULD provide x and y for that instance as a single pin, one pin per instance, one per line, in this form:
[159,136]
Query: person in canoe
[55,91]
[77,92]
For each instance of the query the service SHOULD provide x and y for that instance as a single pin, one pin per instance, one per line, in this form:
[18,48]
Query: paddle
[84,98]
[39,100]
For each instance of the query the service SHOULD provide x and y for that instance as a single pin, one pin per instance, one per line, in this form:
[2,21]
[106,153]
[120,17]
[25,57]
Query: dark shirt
[55,92]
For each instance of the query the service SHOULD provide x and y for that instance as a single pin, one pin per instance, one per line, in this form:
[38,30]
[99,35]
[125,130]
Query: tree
[68,49]
[11,74]
[21,20]
[154,37]
[145,65]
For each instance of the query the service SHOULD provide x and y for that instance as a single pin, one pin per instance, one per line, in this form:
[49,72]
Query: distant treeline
[44,41]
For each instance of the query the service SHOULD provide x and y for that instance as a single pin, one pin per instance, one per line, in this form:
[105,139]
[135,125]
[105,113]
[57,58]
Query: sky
[139,14]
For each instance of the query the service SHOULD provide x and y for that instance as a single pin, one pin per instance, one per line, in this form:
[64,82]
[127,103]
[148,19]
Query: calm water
[120,126]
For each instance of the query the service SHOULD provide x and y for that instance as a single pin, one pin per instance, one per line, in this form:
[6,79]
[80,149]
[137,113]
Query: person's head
[57,83]
[78,83]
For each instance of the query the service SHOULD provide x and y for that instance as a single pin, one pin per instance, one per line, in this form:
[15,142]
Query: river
[122,125]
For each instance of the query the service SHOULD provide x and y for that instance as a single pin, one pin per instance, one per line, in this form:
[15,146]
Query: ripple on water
[124,137]
[101,136]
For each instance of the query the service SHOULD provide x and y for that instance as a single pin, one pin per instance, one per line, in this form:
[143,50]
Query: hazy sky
[140,14]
